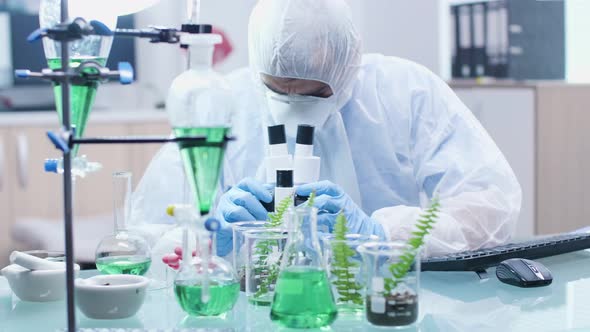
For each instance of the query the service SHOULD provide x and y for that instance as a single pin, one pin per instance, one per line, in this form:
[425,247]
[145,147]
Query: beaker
[264,250]
[345,270]
[206,284]
[123,252]
[393,287]
[303,296]
[238,254]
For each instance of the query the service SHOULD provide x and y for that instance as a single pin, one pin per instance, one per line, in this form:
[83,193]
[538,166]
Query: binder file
[502,67]
[478,40]
[519,39]
[464,40]
[492,38]
[456,67]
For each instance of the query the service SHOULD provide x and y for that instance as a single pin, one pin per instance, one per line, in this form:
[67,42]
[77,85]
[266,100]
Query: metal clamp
[87,71]
[155,34]
[60,140]
[75,30]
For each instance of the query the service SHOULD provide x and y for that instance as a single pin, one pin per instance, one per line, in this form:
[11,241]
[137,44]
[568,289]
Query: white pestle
[34,263]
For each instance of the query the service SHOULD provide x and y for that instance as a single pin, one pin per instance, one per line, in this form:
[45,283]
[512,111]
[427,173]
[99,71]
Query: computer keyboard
[479,260]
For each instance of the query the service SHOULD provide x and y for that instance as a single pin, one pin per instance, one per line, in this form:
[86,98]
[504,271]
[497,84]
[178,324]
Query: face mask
[293,110]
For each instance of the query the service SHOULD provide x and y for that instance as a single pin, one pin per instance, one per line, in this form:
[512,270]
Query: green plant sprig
[424,224]
[275,219]
[348,288]
[268,275]
[311,199]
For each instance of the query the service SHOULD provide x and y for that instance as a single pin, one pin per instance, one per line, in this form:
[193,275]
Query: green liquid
[350,309]
[222,298]
[81,97]
[202,164]
[123,265]
[303,299]
[261,300]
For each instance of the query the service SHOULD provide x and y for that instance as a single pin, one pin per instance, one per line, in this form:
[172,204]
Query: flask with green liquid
[303,297]
[123,252]
[89,48]
[200,103]
[206,285]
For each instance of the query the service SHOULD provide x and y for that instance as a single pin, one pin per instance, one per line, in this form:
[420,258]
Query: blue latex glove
[240,203]
[331,199]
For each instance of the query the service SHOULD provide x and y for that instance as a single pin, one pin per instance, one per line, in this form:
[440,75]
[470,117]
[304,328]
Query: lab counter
[450,301]
[51,120]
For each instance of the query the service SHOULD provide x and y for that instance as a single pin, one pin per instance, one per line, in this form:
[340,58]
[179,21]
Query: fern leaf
[345,284]
[424,224]
[311,199]
[276,219]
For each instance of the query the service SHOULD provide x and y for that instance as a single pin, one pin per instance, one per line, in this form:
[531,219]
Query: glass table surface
[449,301]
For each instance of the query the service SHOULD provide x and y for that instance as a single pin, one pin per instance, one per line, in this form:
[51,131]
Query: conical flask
[95,48]
[303,297]
[200,103]
[123,252]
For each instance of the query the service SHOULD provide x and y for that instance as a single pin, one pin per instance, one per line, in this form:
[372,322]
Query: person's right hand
[173,260]
[240,203]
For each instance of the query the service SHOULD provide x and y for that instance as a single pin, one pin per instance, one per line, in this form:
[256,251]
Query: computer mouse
[523,273]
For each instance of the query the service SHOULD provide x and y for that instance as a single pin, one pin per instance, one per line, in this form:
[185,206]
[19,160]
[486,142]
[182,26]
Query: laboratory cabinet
[28,193]
[543,129]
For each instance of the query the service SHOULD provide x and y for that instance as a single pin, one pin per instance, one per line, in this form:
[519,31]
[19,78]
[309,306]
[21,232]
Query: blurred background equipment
[518,39]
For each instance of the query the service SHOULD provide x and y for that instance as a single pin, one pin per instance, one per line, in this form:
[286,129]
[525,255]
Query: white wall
[418,30]
[577,41]
[232,17]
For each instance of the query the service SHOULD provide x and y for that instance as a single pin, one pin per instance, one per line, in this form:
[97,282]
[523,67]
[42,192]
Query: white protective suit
[398,136]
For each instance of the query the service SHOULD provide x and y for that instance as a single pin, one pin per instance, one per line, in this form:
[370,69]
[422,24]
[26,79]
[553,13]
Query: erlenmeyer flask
[303,296]
[206,285]
[123,252]
[96,48]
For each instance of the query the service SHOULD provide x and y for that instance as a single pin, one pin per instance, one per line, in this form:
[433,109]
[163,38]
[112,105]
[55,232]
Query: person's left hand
[331,200]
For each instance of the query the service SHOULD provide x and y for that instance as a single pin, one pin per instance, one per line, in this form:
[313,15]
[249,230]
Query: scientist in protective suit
[389,132]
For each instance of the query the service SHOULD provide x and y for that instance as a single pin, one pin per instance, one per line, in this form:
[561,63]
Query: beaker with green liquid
[200,103]
[123,252]
[303,295]
[89,48]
